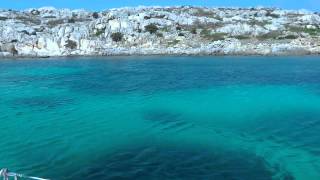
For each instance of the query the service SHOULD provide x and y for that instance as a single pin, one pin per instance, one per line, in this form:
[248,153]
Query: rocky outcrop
[174,30]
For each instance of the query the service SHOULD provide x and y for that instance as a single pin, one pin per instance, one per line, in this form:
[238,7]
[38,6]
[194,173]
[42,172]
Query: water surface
[161,117]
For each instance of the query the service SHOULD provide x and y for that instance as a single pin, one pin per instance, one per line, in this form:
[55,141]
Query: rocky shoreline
[185,30]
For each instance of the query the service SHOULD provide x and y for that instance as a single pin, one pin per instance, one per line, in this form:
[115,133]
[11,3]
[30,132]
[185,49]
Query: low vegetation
[270,35]
[54,23]
[117,37]
[50,17]
[151,28]
[157,17]
[71,20]
[288,37]
[95,15]
[209,35]
[71,44]
[309,31]
[207,13]
[259,23]
[3,18]
[160,35]
[242,37]
[173,43]
[276,35]
[99,32]
[28,20]
[204,13]
[271,14]
[205,32]
[165,29]
[35,12]
[193,31]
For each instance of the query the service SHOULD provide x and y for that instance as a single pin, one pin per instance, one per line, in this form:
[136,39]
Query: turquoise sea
[239,118]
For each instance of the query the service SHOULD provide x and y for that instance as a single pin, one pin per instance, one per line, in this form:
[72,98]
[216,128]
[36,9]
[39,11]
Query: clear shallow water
[161,117]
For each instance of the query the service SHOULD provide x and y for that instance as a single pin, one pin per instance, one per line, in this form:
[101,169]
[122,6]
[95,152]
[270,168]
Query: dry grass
[54,23]
[270,35]
[28,19]
[208,35]
[297,29]
[173,43]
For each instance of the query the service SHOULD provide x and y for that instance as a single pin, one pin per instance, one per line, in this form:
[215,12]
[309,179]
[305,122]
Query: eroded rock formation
[175,30]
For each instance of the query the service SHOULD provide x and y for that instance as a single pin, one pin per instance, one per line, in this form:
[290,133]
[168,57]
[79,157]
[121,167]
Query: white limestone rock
[47,31]
[310,19]
[242,29]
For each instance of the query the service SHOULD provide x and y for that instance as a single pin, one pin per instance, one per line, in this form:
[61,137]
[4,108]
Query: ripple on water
[167,120]
[295,128]
[172,162]
[48,102]
[47,85]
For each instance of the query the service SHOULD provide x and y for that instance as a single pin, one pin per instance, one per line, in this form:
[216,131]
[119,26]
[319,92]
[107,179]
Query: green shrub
[35,12]
[28,20]
[159,35]
[3,18]
[116,37]
[270,35]
[165,29]
[151,28]
[313,32]
[208,14]
[158,17]
[71,20]
[173,43]
[259,23]
[289,37]
[71,44]
[206,34]
[100,32]
[203,13]
[242,37]
[95,15]
[50,17]
[270,14]
[194,31]
[217,36]
[304,30]
[55,23]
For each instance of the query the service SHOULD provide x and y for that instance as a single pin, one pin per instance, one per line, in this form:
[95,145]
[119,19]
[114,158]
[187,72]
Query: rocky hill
[158,30]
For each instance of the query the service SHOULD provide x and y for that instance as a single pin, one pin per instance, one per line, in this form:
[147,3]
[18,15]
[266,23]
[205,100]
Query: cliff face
[158,30]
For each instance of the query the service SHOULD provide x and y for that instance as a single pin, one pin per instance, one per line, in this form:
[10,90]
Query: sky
[107,4]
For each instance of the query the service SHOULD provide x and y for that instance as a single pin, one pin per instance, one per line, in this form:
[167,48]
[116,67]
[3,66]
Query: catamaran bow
[6,175]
